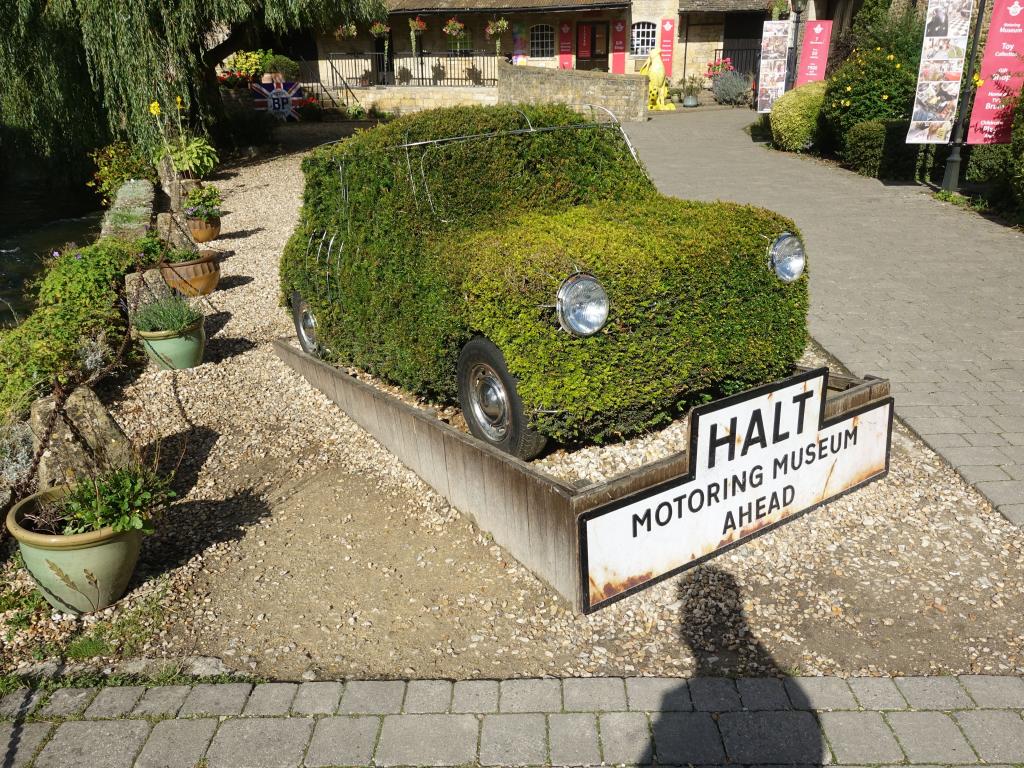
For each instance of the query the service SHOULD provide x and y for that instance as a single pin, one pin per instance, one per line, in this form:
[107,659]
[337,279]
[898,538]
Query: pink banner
[565,45]
[668,44]
[1002,70]
[814,52]
[618,47]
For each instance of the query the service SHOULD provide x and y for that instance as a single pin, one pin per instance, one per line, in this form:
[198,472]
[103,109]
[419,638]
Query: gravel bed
[299,547]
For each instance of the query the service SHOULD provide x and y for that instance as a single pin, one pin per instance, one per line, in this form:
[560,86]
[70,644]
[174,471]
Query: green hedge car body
[463,253]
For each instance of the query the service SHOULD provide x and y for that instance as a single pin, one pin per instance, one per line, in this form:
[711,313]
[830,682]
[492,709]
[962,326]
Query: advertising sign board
[814,52]
[1002,74]
[667,44]
[774,55]
[583,41]
[755,460]
[947,25]
[618,47]
[565,45]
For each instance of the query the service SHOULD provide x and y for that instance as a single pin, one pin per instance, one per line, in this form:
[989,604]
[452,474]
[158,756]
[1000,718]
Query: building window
[644,38]
[461,44]
[542,41]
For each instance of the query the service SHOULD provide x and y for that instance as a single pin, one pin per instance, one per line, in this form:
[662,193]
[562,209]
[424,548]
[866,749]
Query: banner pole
[951,175]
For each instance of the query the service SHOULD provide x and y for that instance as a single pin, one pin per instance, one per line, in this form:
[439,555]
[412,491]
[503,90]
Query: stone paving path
[902,286]
[636,721]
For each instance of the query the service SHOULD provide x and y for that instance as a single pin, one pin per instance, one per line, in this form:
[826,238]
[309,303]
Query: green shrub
[897,30]
[879,149]
[115,164]
[77,302]
[989,164]
[286,66]
[479,242]
[172,313]
[870,85]
[796,116]
[732,87]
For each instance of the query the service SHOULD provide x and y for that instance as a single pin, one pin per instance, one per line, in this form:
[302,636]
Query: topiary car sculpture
[520,261]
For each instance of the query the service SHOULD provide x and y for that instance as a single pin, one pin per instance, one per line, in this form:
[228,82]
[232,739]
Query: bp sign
[756,460]
[279,99]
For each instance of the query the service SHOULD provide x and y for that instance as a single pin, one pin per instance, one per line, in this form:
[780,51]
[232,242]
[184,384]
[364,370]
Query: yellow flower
[878,48]
[177,100]
[898,66]
[849,88]
[885,97]
[846,102]
[154,109]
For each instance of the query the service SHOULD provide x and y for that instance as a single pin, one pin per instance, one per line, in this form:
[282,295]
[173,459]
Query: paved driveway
[902,286]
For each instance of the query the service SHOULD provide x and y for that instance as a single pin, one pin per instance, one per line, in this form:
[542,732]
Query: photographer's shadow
[738,707]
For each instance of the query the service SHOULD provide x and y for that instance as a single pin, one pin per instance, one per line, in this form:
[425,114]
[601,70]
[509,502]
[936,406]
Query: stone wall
[416,99]
[624,95]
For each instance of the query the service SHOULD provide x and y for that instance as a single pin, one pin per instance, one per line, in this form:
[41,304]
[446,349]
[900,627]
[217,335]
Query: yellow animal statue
[657,83]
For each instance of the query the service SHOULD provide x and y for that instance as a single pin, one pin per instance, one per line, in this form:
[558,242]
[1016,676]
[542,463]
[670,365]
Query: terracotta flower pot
[175,350]
[193,278]
[82,573]
[203,231]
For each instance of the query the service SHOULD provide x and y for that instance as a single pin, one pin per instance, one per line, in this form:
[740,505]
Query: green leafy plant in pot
[202,209]
[171,331]
[691,90]
[81,542]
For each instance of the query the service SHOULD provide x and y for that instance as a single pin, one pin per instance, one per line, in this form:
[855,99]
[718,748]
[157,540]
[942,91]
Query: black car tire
[490,401]
[302,316]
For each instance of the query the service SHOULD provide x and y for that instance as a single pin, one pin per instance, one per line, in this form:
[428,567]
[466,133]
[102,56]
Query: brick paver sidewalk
[706,721]
[902,286]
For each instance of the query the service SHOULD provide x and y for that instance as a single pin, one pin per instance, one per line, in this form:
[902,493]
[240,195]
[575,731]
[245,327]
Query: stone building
[406,70]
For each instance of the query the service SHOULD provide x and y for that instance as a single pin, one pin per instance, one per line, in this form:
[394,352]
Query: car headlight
[786,257]
[582,305]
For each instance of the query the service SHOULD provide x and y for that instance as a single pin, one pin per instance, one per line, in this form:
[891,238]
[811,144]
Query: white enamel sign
[756,459]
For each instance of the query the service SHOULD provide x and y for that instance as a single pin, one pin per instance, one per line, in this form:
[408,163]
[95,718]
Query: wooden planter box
[535,517]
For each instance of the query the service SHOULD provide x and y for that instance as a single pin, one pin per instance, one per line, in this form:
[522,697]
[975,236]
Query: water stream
[22,255]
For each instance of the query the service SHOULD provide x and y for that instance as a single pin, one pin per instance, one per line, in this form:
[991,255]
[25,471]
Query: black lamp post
[951,174]
[799,6]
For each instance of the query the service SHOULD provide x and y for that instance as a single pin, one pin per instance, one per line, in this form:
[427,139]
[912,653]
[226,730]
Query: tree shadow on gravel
[233,281]
[183,454]
[189,528]
[224,347]
[238,234]
[755,719]
[215,323]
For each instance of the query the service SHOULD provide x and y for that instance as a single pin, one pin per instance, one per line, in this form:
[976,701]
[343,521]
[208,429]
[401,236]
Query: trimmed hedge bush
[77,302]
[465,238]
[878,148]
[870,85]
[795,118]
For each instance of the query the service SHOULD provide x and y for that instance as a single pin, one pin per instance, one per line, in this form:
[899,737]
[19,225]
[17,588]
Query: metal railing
[745,58]
[447,69]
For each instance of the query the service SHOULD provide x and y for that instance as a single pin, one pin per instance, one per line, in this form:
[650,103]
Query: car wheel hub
[307,325]
[489,401]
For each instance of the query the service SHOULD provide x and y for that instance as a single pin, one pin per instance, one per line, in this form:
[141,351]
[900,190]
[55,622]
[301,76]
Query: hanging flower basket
[379,29]
[454,28]
[346,31]
[417,26]
[496,28]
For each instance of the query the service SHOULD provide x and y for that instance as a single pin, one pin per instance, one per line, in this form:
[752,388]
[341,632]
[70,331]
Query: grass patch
[86,647]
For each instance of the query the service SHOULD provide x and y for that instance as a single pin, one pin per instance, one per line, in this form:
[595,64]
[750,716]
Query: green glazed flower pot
[175,349]
[77,574]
